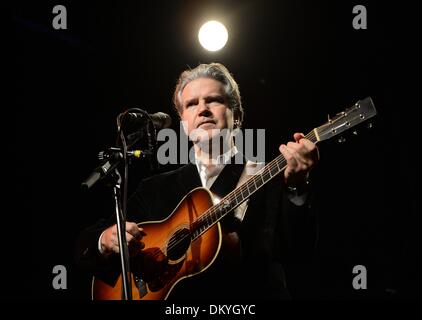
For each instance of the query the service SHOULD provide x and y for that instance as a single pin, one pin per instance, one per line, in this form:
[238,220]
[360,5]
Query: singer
[241,256]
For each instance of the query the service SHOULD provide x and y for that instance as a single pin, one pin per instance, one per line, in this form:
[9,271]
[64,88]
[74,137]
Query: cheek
[188,122]
[228,118]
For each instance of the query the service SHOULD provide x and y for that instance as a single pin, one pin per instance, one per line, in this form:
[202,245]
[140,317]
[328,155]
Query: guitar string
[231,196]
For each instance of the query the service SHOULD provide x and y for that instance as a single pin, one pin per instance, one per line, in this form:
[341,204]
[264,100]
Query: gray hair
[217,72]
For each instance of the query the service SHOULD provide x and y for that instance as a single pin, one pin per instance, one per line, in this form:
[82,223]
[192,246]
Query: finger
[129,237]
[135,248]
[298,149]
[307,151]
[298,136]
[133,229]
[142,231]
[312,154]
[294,145]
[115,248]
[302,159]
[288,155]
[308,144]
[139,245]
[114,241]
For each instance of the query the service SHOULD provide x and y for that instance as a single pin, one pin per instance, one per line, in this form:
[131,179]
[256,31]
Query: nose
[203,109]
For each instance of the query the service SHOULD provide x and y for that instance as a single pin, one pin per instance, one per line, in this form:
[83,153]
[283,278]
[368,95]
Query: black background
[295,62]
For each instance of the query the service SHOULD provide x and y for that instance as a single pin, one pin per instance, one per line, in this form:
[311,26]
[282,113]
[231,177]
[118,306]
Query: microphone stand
[113,157]
[121,234]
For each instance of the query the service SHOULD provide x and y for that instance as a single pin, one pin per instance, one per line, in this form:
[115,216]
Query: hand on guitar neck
[301,156]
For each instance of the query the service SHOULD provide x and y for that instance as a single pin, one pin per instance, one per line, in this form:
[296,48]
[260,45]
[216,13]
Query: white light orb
[213,35]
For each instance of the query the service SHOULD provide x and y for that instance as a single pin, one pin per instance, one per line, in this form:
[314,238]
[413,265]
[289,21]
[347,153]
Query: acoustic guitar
[188,241]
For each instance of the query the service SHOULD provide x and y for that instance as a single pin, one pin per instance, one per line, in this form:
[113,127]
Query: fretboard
[241,193]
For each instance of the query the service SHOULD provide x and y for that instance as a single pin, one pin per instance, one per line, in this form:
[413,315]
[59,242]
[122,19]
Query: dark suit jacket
[274,231]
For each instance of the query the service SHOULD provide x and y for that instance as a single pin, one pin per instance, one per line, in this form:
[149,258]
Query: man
[257,236]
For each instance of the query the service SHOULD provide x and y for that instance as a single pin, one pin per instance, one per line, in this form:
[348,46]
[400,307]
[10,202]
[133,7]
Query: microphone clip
[113,153]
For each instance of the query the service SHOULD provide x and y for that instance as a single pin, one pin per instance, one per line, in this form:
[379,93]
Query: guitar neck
[242,193]
[361,111]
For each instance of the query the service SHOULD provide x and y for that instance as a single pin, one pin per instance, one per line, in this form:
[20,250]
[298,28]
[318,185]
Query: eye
[190,104]
[217,99]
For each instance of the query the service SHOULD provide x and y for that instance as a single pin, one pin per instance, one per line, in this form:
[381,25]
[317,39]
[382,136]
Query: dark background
[295,62]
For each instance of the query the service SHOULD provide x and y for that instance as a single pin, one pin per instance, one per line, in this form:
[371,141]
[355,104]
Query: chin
[203,135]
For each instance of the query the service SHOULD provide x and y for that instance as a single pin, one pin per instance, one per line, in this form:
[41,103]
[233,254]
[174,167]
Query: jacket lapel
[228,178]
[188,178]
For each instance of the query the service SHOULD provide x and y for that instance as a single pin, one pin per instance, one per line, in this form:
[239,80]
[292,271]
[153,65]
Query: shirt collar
[222,159]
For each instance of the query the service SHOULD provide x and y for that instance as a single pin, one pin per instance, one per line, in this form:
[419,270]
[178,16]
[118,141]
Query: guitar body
[170,254]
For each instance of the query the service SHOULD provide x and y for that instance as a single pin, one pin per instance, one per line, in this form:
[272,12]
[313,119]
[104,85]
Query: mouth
[205,122]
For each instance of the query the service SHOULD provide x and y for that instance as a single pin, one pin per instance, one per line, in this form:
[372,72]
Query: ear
[236,121]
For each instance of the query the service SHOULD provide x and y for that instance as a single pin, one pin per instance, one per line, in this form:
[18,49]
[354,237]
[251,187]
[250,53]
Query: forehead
[202,87]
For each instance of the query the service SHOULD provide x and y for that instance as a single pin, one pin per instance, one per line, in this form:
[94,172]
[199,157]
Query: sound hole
[178,244]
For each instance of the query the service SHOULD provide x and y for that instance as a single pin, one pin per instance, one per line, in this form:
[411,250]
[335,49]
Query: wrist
[101,246]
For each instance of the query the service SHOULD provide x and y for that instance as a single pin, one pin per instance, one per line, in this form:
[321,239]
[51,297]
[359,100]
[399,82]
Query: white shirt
[209,174]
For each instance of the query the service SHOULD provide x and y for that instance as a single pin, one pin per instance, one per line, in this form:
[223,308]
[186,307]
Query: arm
[97,246]
[298,219]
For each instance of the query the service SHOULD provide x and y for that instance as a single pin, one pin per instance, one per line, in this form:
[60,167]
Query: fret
[266,175]
[238,200]
[223,211]
[258,181]
[274,170]
[206,220]
[245,192]
[254,182]
[194,226]
[214,216]
[234,199]
[219,211]
[277,161]
[251,187]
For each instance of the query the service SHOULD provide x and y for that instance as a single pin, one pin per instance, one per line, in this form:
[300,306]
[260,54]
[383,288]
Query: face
[204,109]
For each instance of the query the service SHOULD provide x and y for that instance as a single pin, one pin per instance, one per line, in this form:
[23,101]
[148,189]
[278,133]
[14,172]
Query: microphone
[159,119]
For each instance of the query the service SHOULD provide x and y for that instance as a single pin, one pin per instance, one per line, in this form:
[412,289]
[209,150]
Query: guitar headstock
[358,113]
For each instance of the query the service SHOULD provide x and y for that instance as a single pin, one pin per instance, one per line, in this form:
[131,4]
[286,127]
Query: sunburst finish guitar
[189,240]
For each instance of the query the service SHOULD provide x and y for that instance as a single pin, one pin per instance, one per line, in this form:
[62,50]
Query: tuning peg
[341,140]
[369,126]
[329,119]
[355,132]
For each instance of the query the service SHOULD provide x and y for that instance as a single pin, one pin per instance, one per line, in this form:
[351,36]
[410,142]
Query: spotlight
[213,35]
